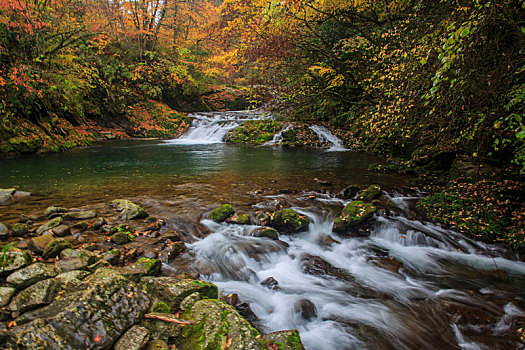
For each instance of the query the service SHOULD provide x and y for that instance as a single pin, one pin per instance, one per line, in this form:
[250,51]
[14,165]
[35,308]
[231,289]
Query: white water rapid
[208,128]
[402,287]
[278,138]
[327,137]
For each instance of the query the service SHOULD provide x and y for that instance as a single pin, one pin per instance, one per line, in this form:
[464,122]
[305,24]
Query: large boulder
[353,214]
[129,210]
[49,225]
[284,340]
[221,213]
[289,221]
[93,316]
[40,293]
[30,275]
[217,324]
[19,229]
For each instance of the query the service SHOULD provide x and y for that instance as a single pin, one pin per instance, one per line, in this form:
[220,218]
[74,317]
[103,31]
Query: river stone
[112,256]
[240,219]
[61,230]
[23,219]
[221,213]
[270,283]
[54,210]
[14,260]
[267,232]
[129,210]
[212,318]
[286,340]
[92,316]
[6,293]
[245,310]
[305,308]
[98,223]
[173,291]
[30,275]
[19,229]
[54,248]
[142,267]
[4,231]
[315,265]
[372,192]
[85,254]
[121,238]
[40,293]
[349,192]
[6,194]
[71,278]
[135,338]
[289,221]
[79,215]
[353,214]
[49,225]
[39,243]
[71,264]
[188,302]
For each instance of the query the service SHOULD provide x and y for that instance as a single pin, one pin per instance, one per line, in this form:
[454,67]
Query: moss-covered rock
[284,340]
[161,307]
[255,132]
[129,210]
[267,232]
[54,248]
[354,213]
[40,293]
[217,324]
[221,213]
[49,225]
[20,229]
[289,221]
[372,192]
[30,275]
[12,260]
[240,218]
[121,237]
[142,267]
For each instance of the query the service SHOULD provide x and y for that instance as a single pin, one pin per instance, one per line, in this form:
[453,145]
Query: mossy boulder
[20,229]
[54,248]
[353,214]
[241,219]
[161,307]
[142,267]
[221,213]
[267,232]
[289,221]
[30,275]
[121,237]
[13,260]
[129,210]
[217,323]
[284,340]
[49,225]
[372,192]
[40,293]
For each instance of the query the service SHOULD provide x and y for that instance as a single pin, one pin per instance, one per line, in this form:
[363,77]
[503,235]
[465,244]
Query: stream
[409,284]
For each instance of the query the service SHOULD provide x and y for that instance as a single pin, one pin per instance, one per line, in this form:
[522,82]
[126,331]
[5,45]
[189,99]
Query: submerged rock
[354,213]
[270,283]
[221,213]
[317,266]
[289,221]
[129,210]
[349,192]
[217,322]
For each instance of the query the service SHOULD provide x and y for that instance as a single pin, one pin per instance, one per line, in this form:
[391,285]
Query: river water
[410,284]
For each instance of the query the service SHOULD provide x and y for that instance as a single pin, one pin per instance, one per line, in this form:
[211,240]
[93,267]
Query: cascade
[278,138]
[328,138]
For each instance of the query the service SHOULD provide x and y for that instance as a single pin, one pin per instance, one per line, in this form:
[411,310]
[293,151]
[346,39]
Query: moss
[243,219]
[288,220]
[151,266]
[354,213]
[254,132]
[372,192]
[221,213]
[161,307]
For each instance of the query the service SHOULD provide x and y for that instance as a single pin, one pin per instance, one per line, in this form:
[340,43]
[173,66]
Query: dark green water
[217,172]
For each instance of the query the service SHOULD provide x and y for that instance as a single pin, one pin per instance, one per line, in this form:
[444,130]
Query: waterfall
[278,138]
[208,128]
[327,137]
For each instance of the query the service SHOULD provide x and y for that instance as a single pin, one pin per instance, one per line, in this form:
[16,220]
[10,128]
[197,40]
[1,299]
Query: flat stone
[129,210]
[39,243]
[135,338]
[71,278]
[71,264]
[61,230]
[30,275]
[79,215]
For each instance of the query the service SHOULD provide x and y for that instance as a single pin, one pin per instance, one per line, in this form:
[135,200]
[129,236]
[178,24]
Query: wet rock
[388,263]
[143,267]
[112,256]
[151,253]
[323,182]
[286,340]
[173,291]
[99,264]
[240,219]
[61,230]
[157,345]
[84,254]
[30,275]
[372,192]
[79,226]
[262,218]
[6,293]
[135,338]
[171,251]
[54,210]
[49,225]
[212,317]
[305,308]
[231,299]
[40,293]
[71,264]
[102,307]
[71,278]
[246,311]
[496,274]
[19,229]
[315,265]
[14,260]
[121,238]
[349,192]
[6,194]
[4,231]
[187,303]
[39,243]
[267,232]
[353,214]
[129,210]
[289,221]
[79,215]
[270,283]
[54,248]
[98,223]
[23,219]
[221,213]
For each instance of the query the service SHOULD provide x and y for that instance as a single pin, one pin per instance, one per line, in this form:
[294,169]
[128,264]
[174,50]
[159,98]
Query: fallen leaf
[97,338]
